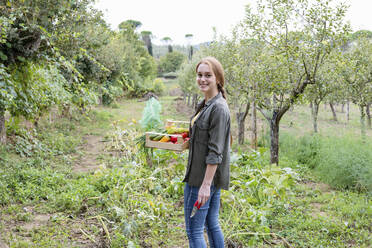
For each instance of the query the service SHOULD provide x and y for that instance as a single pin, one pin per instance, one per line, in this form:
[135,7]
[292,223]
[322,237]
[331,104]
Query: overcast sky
[175,18]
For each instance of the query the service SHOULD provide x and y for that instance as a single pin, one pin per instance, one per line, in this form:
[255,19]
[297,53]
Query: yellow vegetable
[165,139]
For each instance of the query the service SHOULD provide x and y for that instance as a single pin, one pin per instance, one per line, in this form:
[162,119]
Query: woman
[208,164]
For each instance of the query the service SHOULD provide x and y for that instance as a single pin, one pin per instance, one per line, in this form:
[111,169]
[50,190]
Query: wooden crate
[180,146]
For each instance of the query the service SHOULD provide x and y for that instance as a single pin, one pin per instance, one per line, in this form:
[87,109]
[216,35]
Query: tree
[189,44]
[32,35]
[168,41]
[133,23]
[187,79]
[298,35]
[328,84]
[146,37]
[239,58]
[357,72]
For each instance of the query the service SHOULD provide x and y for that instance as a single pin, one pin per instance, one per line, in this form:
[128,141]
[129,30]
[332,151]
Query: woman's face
[206,79]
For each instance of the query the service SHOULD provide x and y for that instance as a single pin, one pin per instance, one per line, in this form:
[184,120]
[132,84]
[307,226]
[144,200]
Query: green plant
[343,162]
[171,62]
[158,86]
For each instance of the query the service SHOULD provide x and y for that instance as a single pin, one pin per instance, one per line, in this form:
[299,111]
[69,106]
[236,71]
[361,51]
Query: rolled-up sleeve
[218,133]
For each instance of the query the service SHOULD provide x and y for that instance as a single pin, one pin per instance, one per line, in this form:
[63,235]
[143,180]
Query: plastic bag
[151,115]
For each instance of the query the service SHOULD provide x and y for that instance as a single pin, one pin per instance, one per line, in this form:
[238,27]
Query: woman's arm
[205,188]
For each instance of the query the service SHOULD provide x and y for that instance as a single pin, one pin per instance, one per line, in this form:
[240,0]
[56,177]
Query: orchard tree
[357,73]
[187,79]
[239,58]
[328,85]
[298,35]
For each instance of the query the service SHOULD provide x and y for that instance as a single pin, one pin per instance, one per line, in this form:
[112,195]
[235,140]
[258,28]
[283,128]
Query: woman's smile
[206,80]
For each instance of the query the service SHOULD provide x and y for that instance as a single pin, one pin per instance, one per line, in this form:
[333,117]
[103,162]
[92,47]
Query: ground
[314,206]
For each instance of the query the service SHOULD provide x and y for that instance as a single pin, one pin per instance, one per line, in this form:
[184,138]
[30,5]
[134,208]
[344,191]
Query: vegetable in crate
[156,137]
[185,135]
[164,139]
[174,130]
[173,139]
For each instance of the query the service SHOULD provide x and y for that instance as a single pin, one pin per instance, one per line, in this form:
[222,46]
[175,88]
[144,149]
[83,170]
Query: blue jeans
[206,216]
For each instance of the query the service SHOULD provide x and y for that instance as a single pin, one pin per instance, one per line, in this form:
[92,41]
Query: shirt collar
[213,99]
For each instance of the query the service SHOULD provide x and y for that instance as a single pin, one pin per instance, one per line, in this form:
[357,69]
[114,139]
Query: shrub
[140,88]
[346,163]
[304,150]
[171,62]
[158,86]
[342,162]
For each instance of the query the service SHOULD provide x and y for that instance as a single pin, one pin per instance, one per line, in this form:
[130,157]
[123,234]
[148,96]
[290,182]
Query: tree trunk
[348,111]
[368,116]
[191,53]
[170,49]
[274,137]
[333,112]
[188,99]
[147,39]
[195,101]
[254,125]
[241,127]
[362,121]
[2,127]
[314,115]
[343,108]
[241,116]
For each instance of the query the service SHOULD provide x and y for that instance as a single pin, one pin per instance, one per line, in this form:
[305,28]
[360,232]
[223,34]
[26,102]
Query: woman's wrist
[208,184]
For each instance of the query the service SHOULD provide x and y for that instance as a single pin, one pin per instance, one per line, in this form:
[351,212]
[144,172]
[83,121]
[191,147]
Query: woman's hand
[204,194]
[205,188]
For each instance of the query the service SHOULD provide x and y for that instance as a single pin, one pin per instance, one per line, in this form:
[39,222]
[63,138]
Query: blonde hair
[217,69]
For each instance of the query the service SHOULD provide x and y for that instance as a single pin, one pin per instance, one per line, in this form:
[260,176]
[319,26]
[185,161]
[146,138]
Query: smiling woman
[209,160]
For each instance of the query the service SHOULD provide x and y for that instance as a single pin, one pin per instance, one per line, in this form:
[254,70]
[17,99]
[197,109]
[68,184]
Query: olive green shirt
[210,143]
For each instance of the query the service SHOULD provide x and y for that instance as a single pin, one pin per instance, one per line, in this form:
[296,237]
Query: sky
[176,18]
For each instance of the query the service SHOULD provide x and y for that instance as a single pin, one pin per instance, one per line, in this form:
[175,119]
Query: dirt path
[92,148]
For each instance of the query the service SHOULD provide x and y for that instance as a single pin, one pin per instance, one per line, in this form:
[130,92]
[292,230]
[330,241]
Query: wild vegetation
[74,171]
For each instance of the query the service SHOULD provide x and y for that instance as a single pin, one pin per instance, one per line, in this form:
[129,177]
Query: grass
[44,203]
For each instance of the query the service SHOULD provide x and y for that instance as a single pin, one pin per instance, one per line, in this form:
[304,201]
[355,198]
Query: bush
[111,92]
[158,86]
[342,162]
[304,150]
[346,163]
[140,88]
[171,62]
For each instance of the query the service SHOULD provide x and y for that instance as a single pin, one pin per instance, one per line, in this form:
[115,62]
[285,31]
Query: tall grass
[343,162]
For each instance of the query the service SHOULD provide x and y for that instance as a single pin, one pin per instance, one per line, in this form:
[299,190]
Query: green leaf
[3,56]
[20,58]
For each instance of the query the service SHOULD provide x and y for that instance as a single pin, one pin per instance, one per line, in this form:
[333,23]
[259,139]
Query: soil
[2,245]
[181,107]
[316,211]
[38,221]
[92,147]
